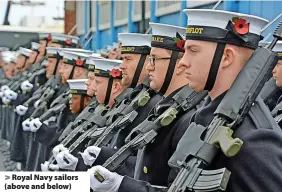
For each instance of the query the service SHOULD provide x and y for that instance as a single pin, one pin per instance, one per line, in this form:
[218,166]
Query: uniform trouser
[37,154]
[19,144]
[4,123]
[1,114]
[11,124]
[17,153]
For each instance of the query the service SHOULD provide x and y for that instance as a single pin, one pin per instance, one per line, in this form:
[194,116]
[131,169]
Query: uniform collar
[206,113]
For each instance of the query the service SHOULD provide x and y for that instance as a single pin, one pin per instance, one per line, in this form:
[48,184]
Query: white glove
[66,160]
[26,86]
[4,88]
[36,103]
[11,94]
[111,183]
[90,155]
[58,149]
[35,124]
[5,100]
[26,124]
[19,166]
[21,110]
[46,166]
[1,94]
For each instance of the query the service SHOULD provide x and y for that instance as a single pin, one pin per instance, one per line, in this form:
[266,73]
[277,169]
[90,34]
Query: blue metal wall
[266,9]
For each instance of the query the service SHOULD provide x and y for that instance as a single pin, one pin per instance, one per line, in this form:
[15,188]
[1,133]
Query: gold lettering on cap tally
[50,55]
[128,49]
[158,39]
[73,91]
[279,54]
[97,71]
[91,67]
[194,30]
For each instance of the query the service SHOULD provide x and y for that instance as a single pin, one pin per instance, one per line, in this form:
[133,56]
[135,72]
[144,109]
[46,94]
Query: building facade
[108,18]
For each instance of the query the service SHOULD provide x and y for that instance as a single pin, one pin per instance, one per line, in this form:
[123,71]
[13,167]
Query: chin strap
[35,57]
[57,63]
[214,66]
[109,91]
[138,70]
[45,51]
[72,72]
[170,71]
[81,107]
[25,60]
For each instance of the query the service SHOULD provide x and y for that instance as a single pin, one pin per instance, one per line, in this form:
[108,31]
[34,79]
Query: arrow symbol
[7,177]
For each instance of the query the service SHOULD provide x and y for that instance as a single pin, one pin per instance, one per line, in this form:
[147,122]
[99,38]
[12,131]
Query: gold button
[145,169]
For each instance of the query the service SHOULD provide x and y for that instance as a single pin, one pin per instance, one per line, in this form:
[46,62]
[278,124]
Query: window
[167,7]
[80,17]
[121,13]
[137,14]
[105,14]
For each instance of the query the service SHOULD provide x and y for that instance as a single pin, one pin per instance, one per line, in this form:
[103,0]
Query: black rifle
[80,133]
[126,114]
[198,154]
[185,100]
[81,118]
[45,98]
[38,93]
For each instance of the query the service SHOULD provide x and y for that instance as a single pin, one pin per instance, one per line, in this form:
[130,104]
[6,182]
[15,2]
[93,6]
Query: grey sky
[48,11]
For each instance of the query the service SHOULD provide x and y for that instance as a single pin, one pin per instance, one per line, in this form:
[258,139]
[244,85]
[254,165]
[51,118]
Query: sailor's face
[9,70]
[42,47]
[32,57]
[277,73]
[100,88]
[128,68]
[50,67]
[90,83]
[65,72]
[158,68]
[197,61]
[20,62]
[75,103]
[113,55]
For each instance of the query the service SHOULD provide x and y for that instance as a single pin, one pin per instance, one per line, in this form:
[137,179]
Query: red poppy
[68,41]
[79,62]
[115,73]
[180,44]
[241,26]
[49,37]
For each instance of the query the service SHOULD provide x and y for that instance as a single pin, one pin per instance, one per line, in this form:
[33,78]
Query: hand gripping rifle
[80,133]
[197,153]
[185,100]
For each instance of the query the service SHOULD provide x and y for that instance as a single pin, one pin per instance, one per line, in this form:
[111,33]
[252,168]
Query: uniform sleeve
[46,134]
[131,185]
[258,166]
[127,168]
